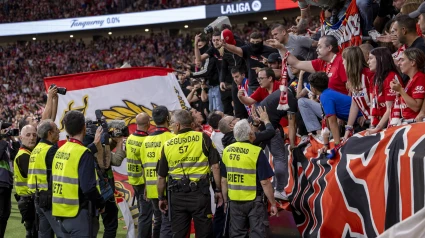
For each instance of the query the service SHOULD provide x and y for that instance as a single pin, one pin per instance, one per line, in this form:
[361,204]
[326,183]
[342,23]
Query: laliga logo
[256,5]
[240,7]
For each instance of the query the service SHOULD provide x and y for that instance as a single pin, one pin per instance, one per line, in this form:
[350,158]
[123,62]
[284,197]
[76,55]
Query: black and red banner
[373,183]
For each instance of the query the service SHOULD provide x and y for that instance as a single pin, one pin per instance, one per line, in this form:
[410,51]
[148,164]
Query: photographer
[7,151]
[105,158]
[49,111]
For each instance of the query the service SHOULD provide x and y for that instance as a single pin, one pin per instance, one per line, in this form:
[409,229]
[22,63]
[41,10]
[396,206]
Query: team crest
[70,107]
[127,114]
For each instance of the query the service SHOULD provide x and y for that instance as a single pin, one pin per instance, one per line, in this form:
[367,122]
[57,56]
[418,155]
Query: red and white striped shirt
[362,96]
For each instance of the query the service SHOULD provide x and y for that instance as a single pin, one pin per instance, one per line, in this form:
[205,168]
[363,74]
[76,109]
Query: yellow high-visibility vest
[65,201]
[37,171]
[21,183]
[240,159]
[185,156]
[134,160]
[151,153]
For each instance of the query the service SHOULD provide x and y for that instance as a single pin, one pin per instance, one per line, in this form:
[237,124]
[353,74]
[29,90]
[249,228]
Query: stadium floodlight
[71,36]
[265,18]
[147,30]
[186,26]
[34,38]
[109,33]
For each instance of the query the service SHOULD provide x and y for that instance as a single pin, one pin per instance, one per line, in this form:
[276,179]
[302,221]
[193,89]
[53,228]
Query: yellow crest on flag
[70,107]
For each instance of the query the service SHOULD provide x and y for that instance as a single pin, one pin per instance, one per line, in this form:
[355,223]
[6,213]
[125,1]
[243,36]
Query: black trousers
[110,219]
[226,100]
[27,209]
[219,222]
[5,208]
[188,206]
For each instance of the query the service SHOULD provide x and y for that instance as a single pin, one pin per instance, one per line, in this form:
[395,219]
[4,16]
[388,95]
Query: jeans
[110,219]
[5,208]
[368,10]
[280,161]
[145,213]
[214,98]
[78,227]
[310,111]
[48,224]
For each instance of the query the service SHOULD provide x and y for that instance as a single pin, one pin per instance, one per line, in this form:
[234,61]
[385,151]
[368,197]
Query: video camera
[115,128]
[9,131]
[61,90]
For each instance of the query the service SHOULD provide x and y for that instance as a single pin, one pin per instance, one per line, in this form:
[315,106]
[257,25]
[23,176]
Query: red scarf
[395,117]
[374,110]
[283,102]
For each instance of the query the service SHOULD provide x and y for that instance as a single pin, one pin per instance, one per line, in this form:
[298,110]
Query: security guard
[247,171]
[187,158]
[76,194]
[135,174]
[23,195]
[39,177]
[151,153]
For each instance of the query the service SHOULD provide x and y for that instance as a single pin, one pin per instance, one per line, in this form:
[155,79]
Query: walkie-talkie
[185,181]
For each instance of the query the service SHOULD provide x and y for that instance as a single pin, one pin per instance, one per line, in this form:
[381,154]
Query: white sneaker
[280,195]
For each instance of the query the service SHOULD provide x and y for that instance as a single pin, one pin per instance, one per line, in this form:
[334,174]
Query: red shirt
[416,89]
[362,96]
[387,94]
[336,74]
[261,93]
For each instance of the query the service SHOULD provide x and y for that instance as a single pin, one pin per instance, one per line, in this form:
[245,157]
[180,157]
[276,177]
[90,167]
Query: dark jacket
[229,61]
[209,71]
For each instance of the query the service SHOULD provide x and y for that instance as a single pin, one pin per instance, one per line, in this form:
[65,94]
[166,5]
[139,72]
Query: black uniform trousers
[184,207]
[27,209]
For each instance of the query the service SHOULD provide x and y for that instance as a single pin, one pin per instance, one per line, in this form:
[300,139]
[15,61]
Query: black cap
[419,11]
[274,57]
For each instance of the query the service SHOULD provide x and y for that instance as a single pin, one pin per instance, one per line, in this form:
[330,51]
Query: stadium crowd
[24,65]
[233,74]
[30,10]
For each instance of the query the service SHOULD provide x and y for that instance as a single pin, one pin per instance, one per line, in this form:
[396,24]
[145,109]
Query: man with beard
[253,55]
[329,61]
[209,71]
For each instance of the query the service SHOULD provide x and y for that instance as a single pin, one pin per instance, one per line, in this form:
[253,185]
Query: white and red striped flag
[121,94]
